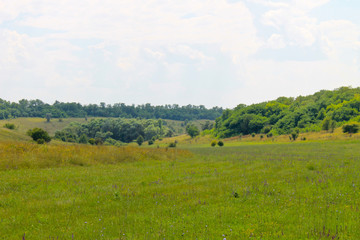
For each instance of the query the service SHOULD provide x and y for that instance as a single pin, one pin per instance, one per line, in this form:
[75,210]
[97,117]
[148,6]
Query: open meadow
[301,190]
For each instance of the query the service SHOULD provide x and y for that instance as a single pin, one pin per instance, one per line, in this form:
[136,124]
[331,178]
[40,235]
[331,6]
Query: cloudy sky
[209,52]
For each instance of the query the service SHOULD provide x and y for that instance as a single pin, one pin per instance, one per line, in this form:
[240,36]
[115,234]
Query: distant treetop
[37,108]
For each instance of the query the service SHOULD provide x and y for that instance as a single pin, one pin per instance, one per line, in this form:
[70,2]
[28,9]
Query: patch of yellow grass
[17,155]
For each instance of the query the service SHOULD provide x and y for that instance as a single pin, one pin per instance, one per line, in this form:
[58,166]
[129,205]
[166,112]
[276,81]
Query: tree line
[324,110]
[115,131]
[37,108]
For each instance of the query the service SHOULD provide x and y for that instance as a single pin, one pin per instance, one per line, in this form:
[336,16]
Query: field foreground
[261,191]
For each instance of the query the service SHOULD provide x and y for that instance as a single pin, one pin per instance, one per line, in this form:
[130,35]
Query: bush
[350,128]
[294,136]
[269,135]
[83,139]
[38,133]
[253,134]
[261,136]
[192,130]
[98,141]
[40,141]
[140,140]
[10,126]
[92,141]
[220,143]
[172,145]
[151,142]
[213,143]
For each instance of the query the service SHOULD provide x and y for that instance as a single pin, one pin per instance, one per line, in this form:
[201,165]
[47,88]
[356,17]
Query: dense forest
[115,131]
[323,110]
[37,108]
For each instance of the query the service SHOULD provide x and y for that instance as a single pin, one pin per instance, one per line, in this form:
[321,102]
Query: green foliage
[192,130]
[10,126]
[37,108]
[140,140]
[269,135]
[123,130]
[92,141]
[294,135]
[350,128]
[322,110]
[213,143]
[40,141]
[172,145]
[38,133]
[220,143]
[83,139]
[48,117]
[207,126]
[150,142]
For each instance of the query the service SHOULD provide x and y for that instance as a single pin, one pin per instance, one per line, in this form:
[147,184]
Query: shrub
[253,134]
[40,141]
[10,126]
[213,143]
[350,128]
[98,141]
[140,140]
[38,133]
[192,130]
[261,136]
[83,139]
[269,135]
[294,136]
[92,141]
[220,143]
[151,142]
[172,145]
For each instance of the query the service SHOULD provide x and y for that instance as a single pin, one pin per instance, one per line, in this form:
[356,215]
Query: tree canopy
[322,110]
[37,108]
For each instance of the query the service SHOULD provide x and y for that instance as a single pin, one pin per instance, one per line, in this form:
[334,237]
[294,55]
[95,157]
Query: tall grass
[308,190]
[18,155]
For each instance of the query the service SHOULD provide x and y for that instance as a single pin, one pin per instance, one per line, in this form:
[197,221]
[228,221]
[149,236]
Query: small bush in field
[10,126]
[40,141]
[38,133]
[213,143]
[92,141]
[172,145]
[350,128]
[220,143]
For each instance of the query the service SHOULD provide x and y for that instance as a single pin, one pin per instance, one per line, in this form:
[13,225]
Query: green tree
[192,130]
[83,139]
[350,128]
[38,133]
[48,117]
[140,140]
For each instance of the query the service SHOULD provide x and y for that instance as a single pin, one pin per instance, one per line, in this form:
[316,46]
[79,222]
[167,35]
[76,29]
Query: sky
[208,52]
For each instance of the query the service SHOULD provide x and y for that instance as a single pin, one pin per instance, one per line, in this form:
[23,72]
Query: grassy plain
[301,190]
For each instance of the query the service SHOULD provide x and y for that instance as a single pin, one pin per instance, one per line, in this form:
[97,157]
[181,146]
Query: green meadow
[299,190]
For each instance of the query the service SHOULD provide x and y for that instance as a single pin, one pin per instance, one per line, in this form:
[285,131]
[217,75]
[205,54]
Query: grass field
[301,190]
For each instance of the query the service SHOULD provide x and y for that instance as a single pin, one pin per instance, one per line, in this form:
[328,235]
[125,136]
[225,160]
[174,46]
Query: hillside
[324,110]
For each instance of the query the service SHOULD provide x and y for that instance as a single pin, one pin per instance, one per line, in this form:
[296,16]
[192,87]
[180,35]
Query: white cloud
[154,51]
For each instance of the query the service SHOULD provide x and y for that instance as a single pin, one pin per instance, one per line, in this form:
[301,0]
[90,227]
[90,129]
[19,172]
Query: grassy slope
[24,124]
[297,190]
